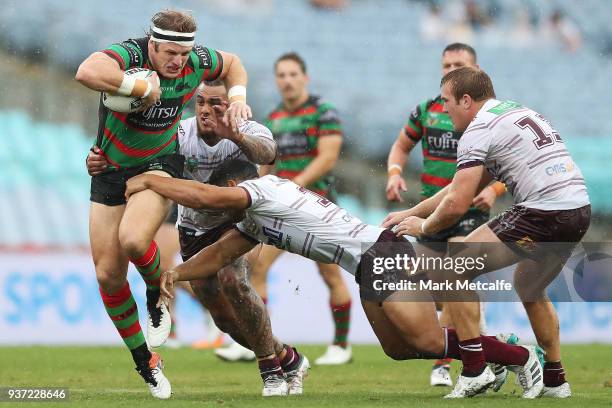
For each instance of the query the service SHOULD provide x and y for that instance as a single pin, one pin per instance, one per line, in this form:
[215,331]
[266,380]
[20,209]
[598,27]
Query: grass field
[104,376]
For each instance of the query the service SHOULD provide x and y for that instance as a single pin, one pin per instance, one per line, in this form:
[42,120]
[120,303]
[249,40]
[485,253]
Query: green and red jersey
[429,124]
[297,135]
[131,139]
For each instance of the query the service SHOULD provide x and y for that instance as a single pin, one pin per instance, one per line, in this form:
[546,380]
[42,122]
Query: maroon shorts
[525,227]
[191,243]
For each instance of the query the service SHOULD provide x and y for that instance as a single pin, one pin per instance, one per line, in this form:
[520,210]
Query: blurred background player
[121,232]
[309,137]
[430,124]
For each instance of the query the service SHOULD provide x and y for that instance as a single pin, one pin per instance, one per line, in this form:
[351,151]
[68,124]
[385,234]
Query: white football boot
[275,386]
[562,391]
[531,375]
[335,355]
[235,352]
[295,378]
[440,376]
[155,378]
[159,324]
[470,386]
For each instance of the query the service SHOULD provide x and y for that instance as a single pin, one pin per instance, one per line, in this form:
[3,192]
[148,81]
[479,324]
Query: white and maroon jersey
[200,161]
[520,148]
[297,220]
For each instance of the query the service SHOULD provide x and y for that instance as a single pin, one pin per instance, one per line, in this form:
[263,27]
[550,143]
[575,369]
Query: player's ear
[232,183]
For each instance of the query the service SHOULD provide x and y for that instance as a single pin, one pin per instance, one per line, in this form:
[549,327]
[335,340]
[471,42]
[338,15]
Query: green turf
[104,376]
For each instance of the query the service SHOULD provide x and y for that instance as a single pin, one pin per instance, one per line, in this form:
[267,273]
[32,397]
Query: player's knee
[134,244]
[108,281]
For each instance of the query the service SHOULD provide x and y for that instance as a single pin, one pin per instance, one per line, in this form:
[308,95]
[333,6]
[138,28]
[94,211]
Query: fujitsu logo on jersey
[444,142]
[157,112]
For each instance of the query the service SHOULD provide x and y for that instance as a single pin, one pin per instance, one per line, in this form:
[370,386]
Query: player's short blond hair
[469,81]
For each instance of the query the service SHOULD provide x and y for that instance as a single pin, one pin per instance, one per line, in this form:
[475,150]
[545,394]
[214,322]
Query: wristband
[499,188]
[237,93]
[130,86]
[394,169]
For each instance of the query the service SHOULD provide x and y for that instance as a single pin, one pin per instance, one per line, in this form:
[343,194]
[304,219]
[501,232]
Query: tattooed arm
[258,149]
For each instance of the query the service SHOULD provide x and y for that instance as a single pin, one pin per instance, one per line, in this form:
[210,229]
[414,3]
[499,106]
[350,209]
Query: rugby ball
[126,104]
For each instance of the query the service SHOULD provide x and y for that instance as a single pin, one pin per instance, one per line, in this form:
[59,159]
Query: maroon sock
[269,366]
[472,356]
[291,360]
[503,353]
[495,351]
[554,374]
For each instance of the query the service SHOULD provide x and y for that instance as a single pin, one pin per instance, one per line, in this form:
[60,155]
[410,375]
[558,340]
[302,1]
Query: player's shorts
[191,243]
[388,245]
[108,188]
[466,224]
[172,214]
[525,227]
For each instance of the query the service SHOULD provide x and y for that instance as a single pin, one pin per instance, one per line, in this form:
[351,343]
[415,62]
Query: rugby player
[282,213]
[506,141]
[309,137]
[206,142]
[432,127]
[146,141]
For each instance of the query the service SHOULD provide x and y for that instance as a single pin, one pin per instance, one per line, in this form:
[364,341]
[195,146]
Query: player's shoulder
[203,55]
[320,103]
[254,128]
[423,106]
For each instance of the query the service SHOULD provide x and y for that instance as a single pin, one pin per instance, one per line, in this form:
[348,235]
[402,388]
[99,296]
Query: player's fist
[485,200]
[395,186]
[96,163]
[154,95]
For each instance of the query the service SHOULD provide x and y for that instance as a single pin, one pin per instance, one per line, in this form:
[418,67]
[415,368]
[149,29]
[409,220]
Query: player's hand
[395,186]
[154,96]
[394,218]
[222,129]
[136,184]
[166,284]
[410,226]
[95,162]
[485,200]
[236,113]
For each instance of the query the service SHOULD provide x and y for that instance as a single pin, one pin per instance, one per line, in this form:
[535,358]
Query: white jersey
[520,148]
[200,161]
[297,220]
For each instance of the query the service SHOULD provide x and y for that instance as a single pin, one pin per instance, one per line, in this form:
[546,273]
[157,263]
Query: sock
[472,356]
[172,328]
[148,266]
[269,366]
[494,350]
[291,360]
[342,321]
[554,374]
[443,362]
[122,310]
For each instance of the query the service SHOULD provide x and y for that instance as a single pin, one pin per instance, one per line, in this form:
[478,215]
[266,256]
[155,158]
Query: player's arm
[235,79]
[191,193]
[421,210]
[328,149]
[395,165]
[100,72]
[208,261]
[254,139]
[458,198]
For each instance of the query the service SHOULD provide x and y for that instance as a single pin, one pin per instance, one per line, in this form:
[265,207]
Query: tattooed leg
[251,313]
[208,291]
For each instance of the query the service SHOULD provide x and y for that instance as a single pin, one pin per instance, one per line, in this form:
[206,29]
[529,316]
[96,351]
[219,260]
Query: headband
[163,36]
